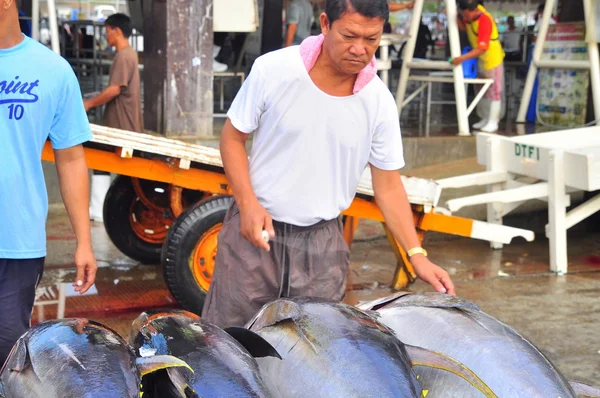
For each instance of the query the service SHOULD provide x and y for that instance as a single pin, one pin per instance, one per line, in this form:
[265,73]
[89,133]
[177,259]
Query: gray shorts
[304,261]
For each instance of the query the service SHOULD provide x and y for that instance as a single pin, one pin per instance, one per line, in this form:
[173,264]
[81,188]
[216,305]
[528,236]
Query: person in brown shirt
[122,98]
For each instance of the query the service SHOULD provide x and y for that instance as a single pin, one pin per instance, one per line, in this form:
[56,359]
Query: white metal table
[444,77]
[562,162]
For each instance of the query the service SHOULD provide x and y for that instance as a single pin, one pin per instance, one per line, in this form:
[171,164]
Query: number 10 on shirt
[16,112]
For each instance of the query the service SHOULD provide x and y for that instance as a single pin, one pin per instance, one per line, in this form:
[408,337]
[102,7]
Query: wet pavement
[559,314]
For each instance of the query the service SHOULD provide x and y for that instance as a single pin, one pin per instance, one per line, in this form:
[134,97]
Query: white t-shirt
[310,148]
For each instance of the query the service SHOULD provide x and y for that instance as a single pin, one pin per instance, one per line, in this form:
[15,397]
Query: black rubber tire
[181,241]
[117,205]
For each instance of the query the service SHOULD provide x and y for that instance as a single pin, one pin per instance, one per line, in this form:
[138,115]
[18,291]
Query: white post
[459,85]
[35,20]
[409,51]
[537,55]
[556,230]
[384,56]
[53,26]
[590,25]
[62,298]
[494,210]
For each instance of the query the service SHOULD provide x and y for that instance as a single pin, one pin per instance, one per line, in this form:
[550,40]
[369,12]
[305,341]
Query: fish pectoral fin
[256,345]
[155,363]
[431,359]
[376,304]
[19,357]
[584,391]
[181,383]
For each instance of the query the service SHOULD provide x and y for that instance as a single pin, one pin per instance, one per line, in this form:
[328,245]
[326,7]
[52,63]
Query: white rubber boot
[492,125]
[480,124]
[100,185]
[216,50]
[219,67]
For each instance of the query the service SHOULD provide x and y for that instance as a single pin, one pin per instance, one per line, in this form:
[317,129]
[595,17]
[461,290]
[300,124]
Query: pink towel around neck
[310,49]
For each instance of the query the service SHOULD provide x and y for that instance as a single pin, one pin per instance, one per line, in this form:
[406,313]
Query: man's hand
[87,105]
[86,269]
[432,274]
[253,220]
[457,61]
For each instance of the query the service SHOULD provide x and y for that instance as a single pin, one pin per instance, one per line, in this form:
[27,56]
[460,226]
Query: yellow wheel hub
[202,260]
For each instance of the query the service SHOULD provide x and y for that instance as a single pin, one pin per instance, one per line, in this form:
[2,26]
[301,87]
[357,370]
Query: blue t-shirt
[39,98]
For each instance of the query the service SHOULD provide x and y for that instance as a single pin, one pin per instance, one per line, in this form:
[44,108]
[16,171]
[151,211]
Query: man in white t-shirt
[321,115]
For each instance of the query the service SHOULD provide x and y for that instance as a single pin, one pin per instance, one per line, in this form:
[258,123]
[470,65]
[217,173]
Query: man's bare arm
[254,218]
[475,53]
[399,7]
[104,97]
[74,187]
[392,200]
[291,32]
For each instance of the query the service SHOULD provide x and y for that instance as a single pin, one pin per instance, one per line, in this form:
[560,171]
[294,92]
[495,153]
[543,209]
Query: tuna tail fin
[256,345]
[155,363]
[584,391]
[167,383]
[162,376]
[422,357]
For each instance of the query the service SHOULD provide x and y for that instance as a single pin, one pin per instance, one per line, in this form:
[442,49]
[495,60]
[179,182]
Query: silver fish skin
[70,358]
[331,349]
[222,366]
[503,359]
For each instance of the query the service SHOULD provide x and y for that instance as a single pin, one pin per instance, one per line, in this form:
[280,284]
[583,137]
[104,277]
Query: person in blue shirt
[39,99]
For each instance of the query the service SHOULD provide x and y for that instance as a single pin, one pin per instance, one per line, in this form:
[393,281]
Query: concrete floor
[559,314]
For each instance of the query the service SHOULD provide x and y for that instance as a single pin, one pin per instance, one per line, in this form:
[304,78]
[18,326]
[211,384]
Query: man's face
[111,35]
[469,15]
[351,40]
[511,22]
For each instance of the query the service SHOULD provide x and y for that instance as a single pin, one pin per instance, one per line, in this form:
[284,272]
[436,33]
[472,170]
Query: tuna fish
[222,366]
[77,358]
[331,349]
[509,364]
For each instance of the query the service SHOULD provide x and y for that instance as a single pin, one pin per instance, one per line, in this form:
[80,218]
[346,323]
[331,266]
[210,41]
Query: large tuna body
[331,350]
[75,358]
[504,360]
[222,366]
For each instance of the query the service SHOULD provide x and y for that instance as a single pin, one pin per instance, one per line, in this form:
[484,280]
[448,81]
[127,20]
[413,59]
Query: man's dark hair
[468,4]
[120,21]
[368,8]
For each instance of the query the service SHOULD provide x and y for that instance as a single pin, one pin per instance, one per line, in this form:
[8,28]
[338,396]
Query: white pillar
[409,51]
[556,231]
[35,20]
[459,85]
[590,26]
[537,55]
[53,26]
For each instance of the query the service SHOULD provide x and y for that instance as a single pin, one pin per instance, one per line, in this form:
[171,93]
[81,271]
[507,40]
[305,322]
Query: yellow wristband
[417,250]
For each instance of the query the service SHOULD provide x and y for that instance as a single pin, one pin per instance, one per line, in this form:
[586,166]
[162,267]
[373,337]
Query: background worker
[122,98]
[320,115]
[484,38]
[298,20]
[40,98]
